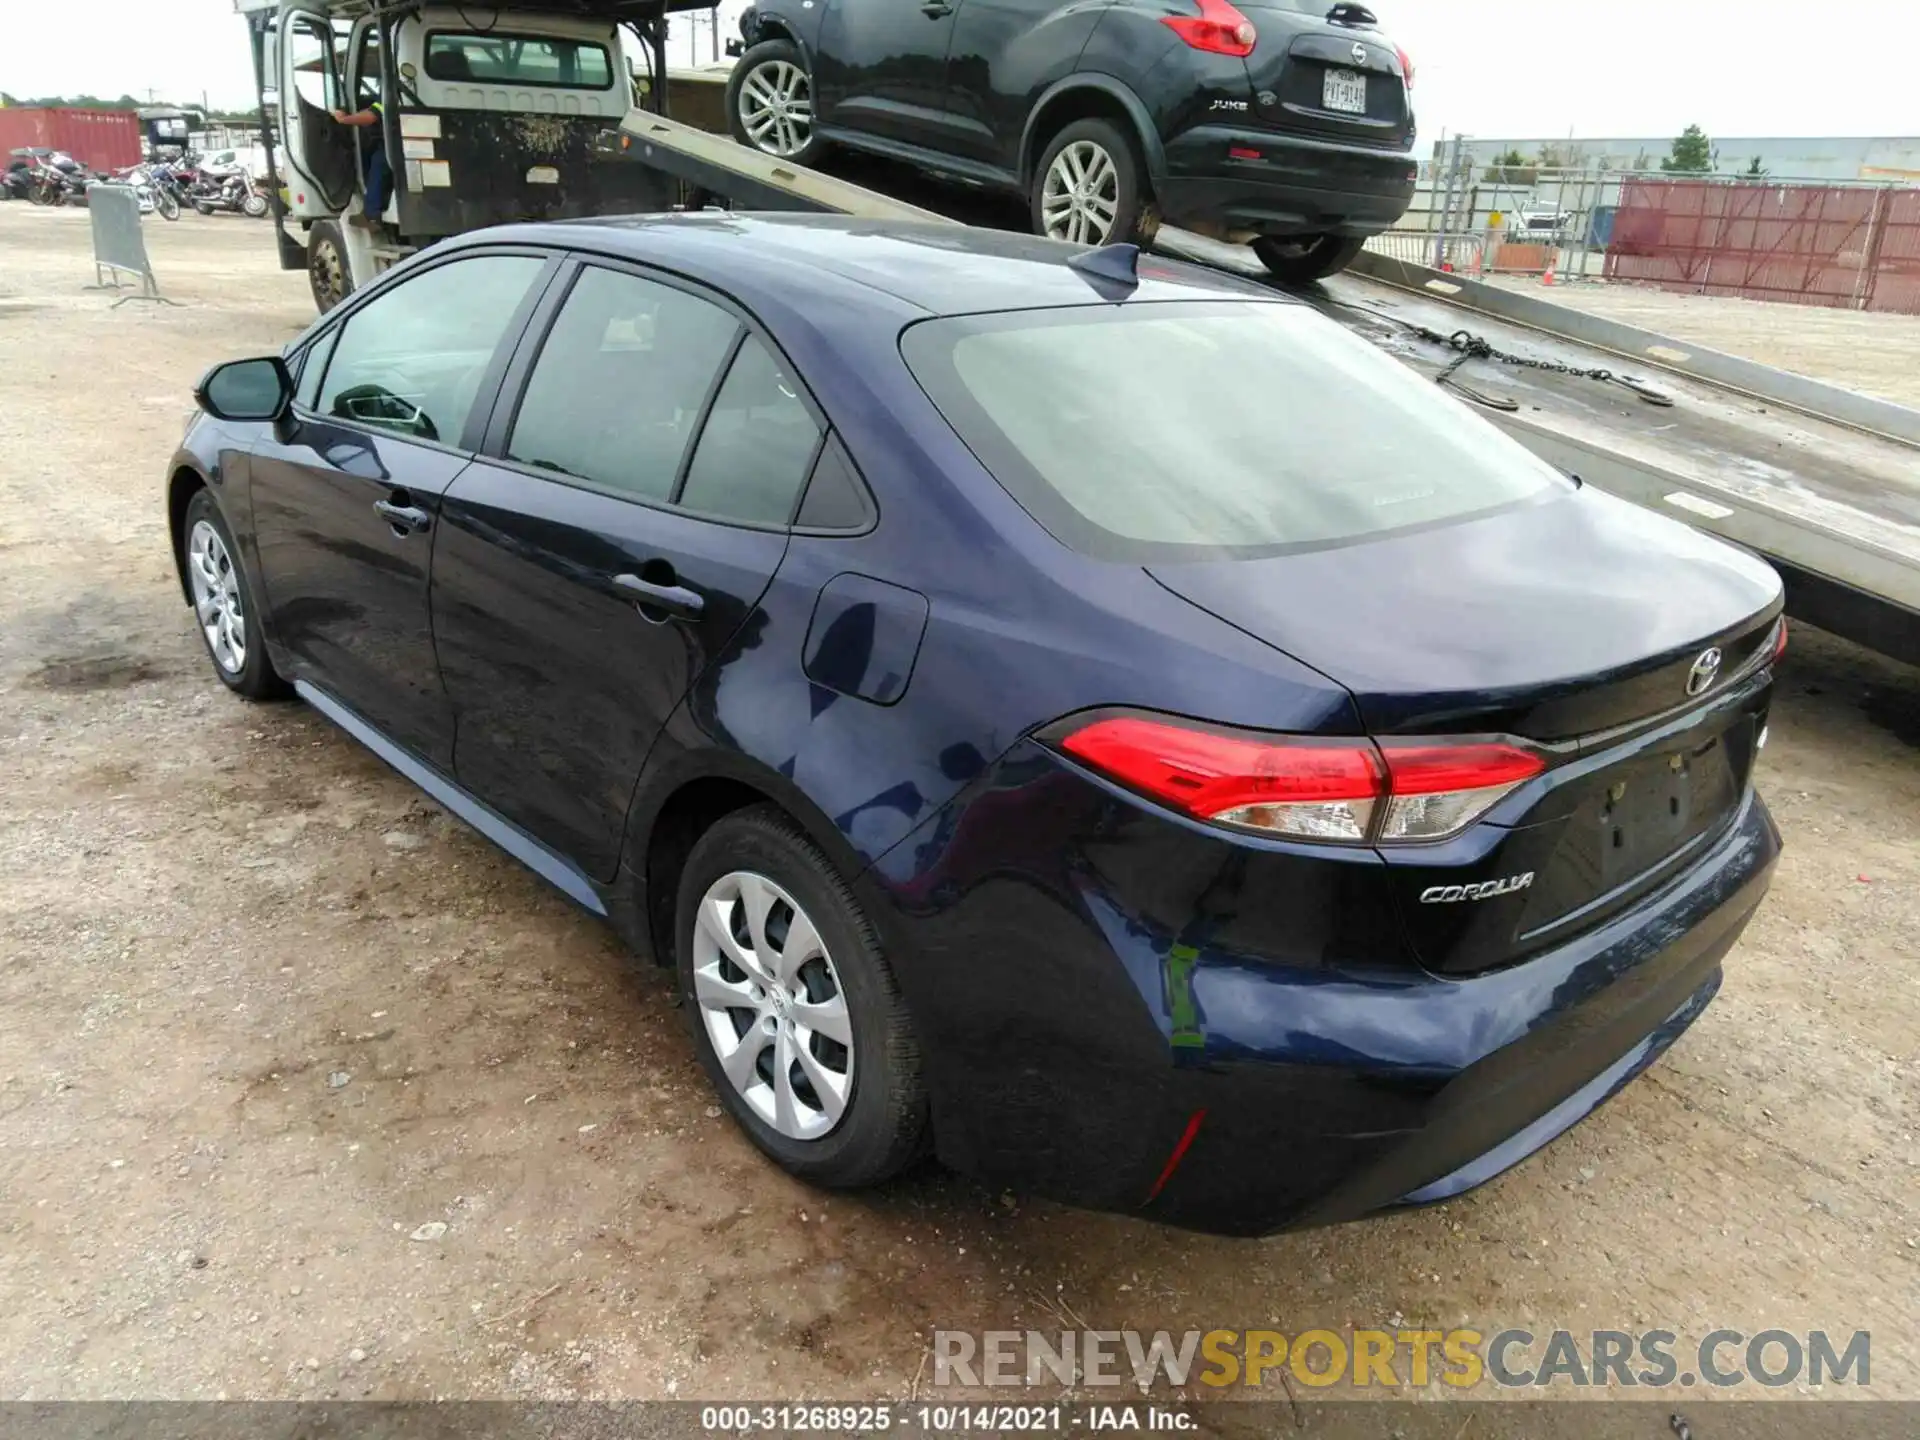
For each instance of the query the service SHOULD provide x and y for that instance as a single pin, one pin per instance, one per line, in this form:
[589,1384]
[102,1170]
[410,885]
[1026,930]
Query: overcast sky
[1492,68]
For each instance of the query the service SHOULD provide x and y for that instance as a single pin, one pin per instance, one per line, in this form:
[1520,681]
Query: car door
[346,492]
[643,462]
[881,69]
[1003,56]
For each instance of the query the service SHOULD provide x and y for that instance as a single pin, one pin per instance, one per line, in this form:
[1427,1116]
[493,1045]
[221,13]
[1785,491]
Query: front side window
[519,60]
[1207,429]
[412,359]
[617,391]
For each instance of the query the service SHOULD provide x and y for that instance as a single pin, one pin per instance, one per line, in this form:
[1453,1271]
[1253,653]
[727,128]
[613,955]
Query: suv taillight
[1406,65]
[1305,787]
[1218,28]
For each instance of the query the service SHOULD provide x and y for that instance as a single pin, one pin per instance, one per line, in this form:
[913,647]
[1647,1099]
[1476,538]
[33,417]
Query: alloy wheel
[217,602]
[776,108]
[1080,197]
[773,1006]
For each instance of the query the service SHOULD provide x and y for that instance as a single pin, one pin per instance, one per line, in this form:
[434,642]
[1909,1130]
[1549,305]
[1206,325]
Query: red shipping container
[99,139]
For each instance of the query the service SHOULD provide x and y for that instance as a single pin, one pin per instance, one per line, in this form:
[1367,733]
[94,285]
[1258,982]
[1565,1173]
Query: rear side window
[756,446]
[1198,430]
[617,391]
[519,60]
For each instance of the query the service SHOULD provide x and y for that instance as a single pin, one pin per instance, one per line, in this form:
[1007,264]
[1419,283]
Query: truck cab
[484,116]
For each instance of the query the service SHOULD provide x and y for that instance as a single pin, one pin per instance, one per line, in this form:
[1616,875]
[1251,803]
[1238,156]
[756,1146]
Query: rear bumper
[1296,186]
[1072,1039]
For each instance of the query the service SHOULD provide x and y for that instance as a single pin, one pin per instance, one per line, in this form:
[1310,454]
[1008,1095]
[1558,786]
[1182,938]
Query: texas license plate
[1345,90]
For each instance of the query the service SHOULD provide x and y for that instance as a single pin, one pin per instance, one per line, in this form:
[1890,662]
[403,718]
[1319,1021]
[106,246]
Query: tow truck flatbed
[1823,482]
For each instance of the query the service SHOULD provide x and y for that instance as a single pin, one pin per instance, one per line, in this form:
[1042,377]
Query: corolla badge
[1484,890]
[1705,671]
[1359,53]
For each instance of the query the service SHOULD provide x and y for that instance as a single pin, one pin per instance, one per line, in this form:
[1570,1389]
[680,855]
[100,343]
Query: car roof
[928,267]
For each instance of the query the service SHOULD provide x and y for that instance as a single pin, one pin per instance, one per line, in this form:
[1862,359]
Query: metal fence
[1845,247]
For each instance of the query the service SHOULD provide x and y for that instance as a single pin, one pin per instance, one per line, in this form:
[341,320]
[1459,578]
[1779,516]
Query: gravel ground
[1875,353]
[307,1091]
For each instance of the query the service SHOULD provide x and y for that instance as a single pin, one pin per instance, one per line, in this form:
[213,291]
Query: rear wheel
[1089,186]
[770,103]
[794,1009]
[327,271]
[1299,260]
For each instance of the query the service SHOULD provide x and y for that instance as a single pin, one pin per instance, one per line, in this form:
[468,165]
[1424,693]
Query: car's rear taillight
[1218,28]
[1779,642]
[1304,787]
[1439,788]
[1406,65]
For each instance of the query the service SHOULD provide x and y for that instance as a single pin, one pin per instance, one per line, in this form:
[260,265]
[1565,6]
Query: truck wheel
[1301,259]
[1089,187]
[327,270]
[770,103]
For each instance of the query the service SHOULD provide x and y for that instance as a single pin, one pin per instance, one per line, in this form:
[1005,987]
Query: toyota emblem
[1704,672]
[1359,53]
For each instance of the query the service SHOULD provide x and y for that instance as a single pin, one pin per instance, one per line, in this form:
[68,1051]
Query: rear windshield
[1183,430]
[519,60]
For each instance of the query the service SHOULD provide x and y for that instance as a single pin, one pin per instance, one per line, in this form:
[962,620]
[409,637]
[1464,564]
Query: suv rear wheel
[770,103]
[1089,186]
[1303,258]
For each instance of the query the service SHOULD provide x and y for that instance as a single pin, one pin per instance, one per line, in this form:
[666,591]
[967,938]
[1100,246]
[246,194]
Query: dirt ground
[265,1012]
[1874,353]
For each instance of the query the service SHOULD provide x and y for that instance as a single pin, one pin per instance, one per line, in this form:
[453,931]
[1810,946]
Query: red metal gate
[1849,247]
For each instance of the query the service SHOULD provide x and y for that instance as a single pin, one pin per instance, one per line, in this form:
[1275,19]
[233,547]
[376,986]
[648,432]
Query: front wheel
[254,206]
[327,272]
[770,103]
[224,607]
[795,1012]
[1089,187]
[168,206]
[1300,260]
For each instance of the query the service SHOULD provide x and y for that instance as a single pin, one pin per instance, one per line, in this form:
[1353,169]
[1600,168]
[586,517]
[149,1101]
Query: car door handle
[676,600]
[405,519]
[936,10]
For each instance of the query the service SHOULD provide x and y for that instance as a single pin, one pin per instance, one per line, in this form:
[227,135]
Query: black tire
[763,57]
[254,207]
[884,1126]
[1130,197]
[256,679]
[1302,260]
[328,274]
[167,204]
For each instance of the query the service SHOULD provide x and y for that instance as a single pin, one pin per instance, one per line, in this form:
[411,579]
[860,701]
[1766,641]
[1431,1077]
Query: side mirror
[246,390]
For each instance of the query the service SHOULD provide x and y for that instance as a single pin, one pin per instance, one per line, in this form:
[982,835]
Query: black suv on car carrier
[1287,124]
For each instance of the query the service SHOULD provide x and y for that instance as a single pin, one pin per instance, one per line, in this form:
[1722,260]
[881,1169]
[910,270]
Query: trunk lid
[1577,624]
[1328,71]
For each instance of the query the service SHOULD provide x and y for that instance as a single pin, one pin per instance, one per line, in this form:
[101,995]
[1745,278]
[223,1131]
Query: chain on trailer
[1468,346]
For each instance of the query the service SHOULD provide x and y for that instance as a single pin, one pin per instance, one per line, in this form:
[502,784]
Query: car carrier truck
[485,115]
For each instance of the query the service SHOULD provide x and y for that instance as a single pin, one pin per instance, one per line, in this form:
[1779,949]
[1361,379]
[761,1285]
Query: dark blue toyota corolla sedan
[1109,728]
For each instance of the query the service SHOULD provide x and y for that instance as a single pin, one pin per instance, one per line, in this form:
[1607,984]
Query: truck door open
[321,172]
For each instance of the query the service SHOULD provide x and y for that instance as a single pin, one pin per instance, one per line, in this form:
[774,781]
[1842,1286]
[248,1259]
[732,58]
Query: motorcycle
[169,190]
[150,191]
[16,180]
[235,192]
[56,178]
